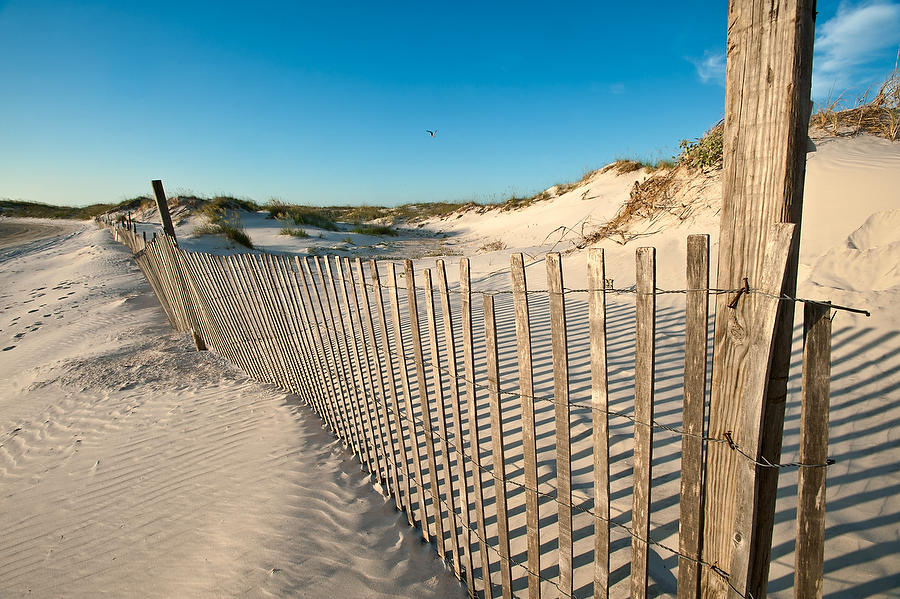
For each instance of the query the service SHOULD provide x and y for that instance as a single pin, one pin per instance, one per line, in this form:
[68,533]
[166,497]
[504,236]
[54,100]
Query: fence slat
[335,329]
[263,353]
[400,350]
[308,379]
[599,418]
[371,422]
[345,367]
[404,475]
[498,457]
[422,384]
[326,352]
[690,522]
[529,437]
[761,345]
[563,426]
[644,365]
[438,386]
[391,474]
[465,294]
[809,555]
[312,337]
[458,436]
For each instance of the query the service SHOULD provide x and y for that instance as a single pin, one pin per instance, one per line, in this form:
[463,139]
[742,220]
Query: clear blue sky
[328,102]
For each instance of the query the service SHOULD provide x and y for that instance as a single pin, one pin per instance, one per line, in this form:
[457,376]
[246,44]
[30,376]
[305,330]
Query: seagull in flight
[430,132]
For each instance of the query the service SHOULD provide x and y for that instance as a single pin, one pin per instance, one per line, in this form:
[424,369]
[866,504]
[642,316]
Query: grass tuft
[298,233]
[374,230]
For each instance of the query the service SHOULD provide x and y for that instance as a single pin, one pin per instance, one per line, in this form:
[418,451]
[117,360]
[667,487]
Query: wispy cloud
[847,43]
[711,68]
[617,89]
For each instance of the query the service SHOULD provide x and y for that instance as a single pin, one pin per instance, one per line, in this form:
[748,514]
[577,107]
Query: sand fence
[546,441]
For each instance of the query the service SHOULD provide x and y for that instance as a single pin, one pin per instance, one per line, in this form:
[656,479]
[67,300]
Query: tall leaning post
[162,204]
[767,108]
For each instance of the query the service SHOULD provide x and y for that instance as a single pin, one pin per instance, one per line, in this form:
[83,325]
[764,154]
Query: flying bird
[430,132]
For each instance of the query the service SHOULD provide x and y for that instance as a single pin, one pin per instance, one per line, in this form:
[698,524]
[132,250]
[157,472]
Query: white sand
[133,466]
[215,485]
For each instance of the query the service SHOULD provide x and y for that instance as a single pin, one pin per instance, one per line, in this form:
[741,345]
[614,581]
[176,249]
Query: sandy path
[133,466]
[21,231]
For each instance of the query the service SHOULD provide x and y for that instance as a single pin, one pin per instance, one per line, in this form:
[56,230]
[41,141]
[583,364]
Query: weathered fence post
[559,342]
[690,521]
[809,555]
[644,366]
[162,204]
[767,106]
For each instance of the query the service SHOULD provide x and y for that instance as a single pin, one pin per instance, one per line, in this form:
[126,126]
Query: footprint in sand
[9,348]
[32,311]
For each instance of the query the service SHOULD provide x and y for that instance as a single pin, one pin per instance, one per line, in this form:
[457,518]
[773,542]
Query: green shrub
[374,230]
[298,233]
[310,216]
[705,152]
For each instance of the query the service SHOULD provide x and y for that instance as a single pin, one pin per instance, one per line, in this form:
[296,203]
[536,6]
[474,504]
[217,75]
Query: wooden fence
[494,435]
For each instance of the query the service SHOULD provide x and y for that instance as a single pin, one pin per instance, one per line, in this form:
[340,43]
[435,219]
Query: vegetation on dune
[374,230]
[298,233]
[704,152]
[310,216]
[224,220]
[879,116]
[38,210]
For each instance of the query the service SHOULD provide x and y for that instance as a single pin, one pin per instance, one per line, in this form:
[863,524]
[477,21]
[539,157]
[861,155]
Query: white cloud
[617,89]
[847,43]
[711,68]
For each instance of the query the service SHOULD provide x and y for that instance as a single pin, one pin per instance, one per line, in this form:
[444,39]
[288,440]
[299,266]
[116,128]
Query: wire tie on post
[715,568]
[745,289]
[730,440]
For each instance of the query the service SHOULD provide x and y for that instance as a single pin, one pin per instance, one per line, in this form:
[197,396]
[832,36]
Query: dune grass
[879,116]
[298,233]
[38,210]
[374,230]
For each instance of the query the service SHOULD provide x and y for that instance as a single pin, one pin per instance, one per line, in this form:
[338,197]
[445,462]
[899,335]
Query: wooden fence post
[438,387]
[690,522]
[458,435]
[809,556]
[559,341]
[465,294]
[162,204]
[644,365]
[767,106]
[529,437]
[498,455]
[600,418]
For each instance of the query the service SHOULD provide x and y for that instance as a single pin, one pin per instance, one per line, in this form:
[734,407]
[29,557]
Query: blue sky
[327,103]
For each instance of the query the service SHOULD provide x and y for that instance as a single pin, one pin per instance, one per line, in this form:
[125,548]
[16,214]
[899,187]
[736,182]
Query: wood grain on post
[465,295]
[600,418]
[458,435]
[394,477]
[529,438]
[809,555]
[389,358]
[428,432]
[498,456]
[559,342]
[760,345]
[162,204]
[644,365]
[438,386]
[767,107]
[690,522]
